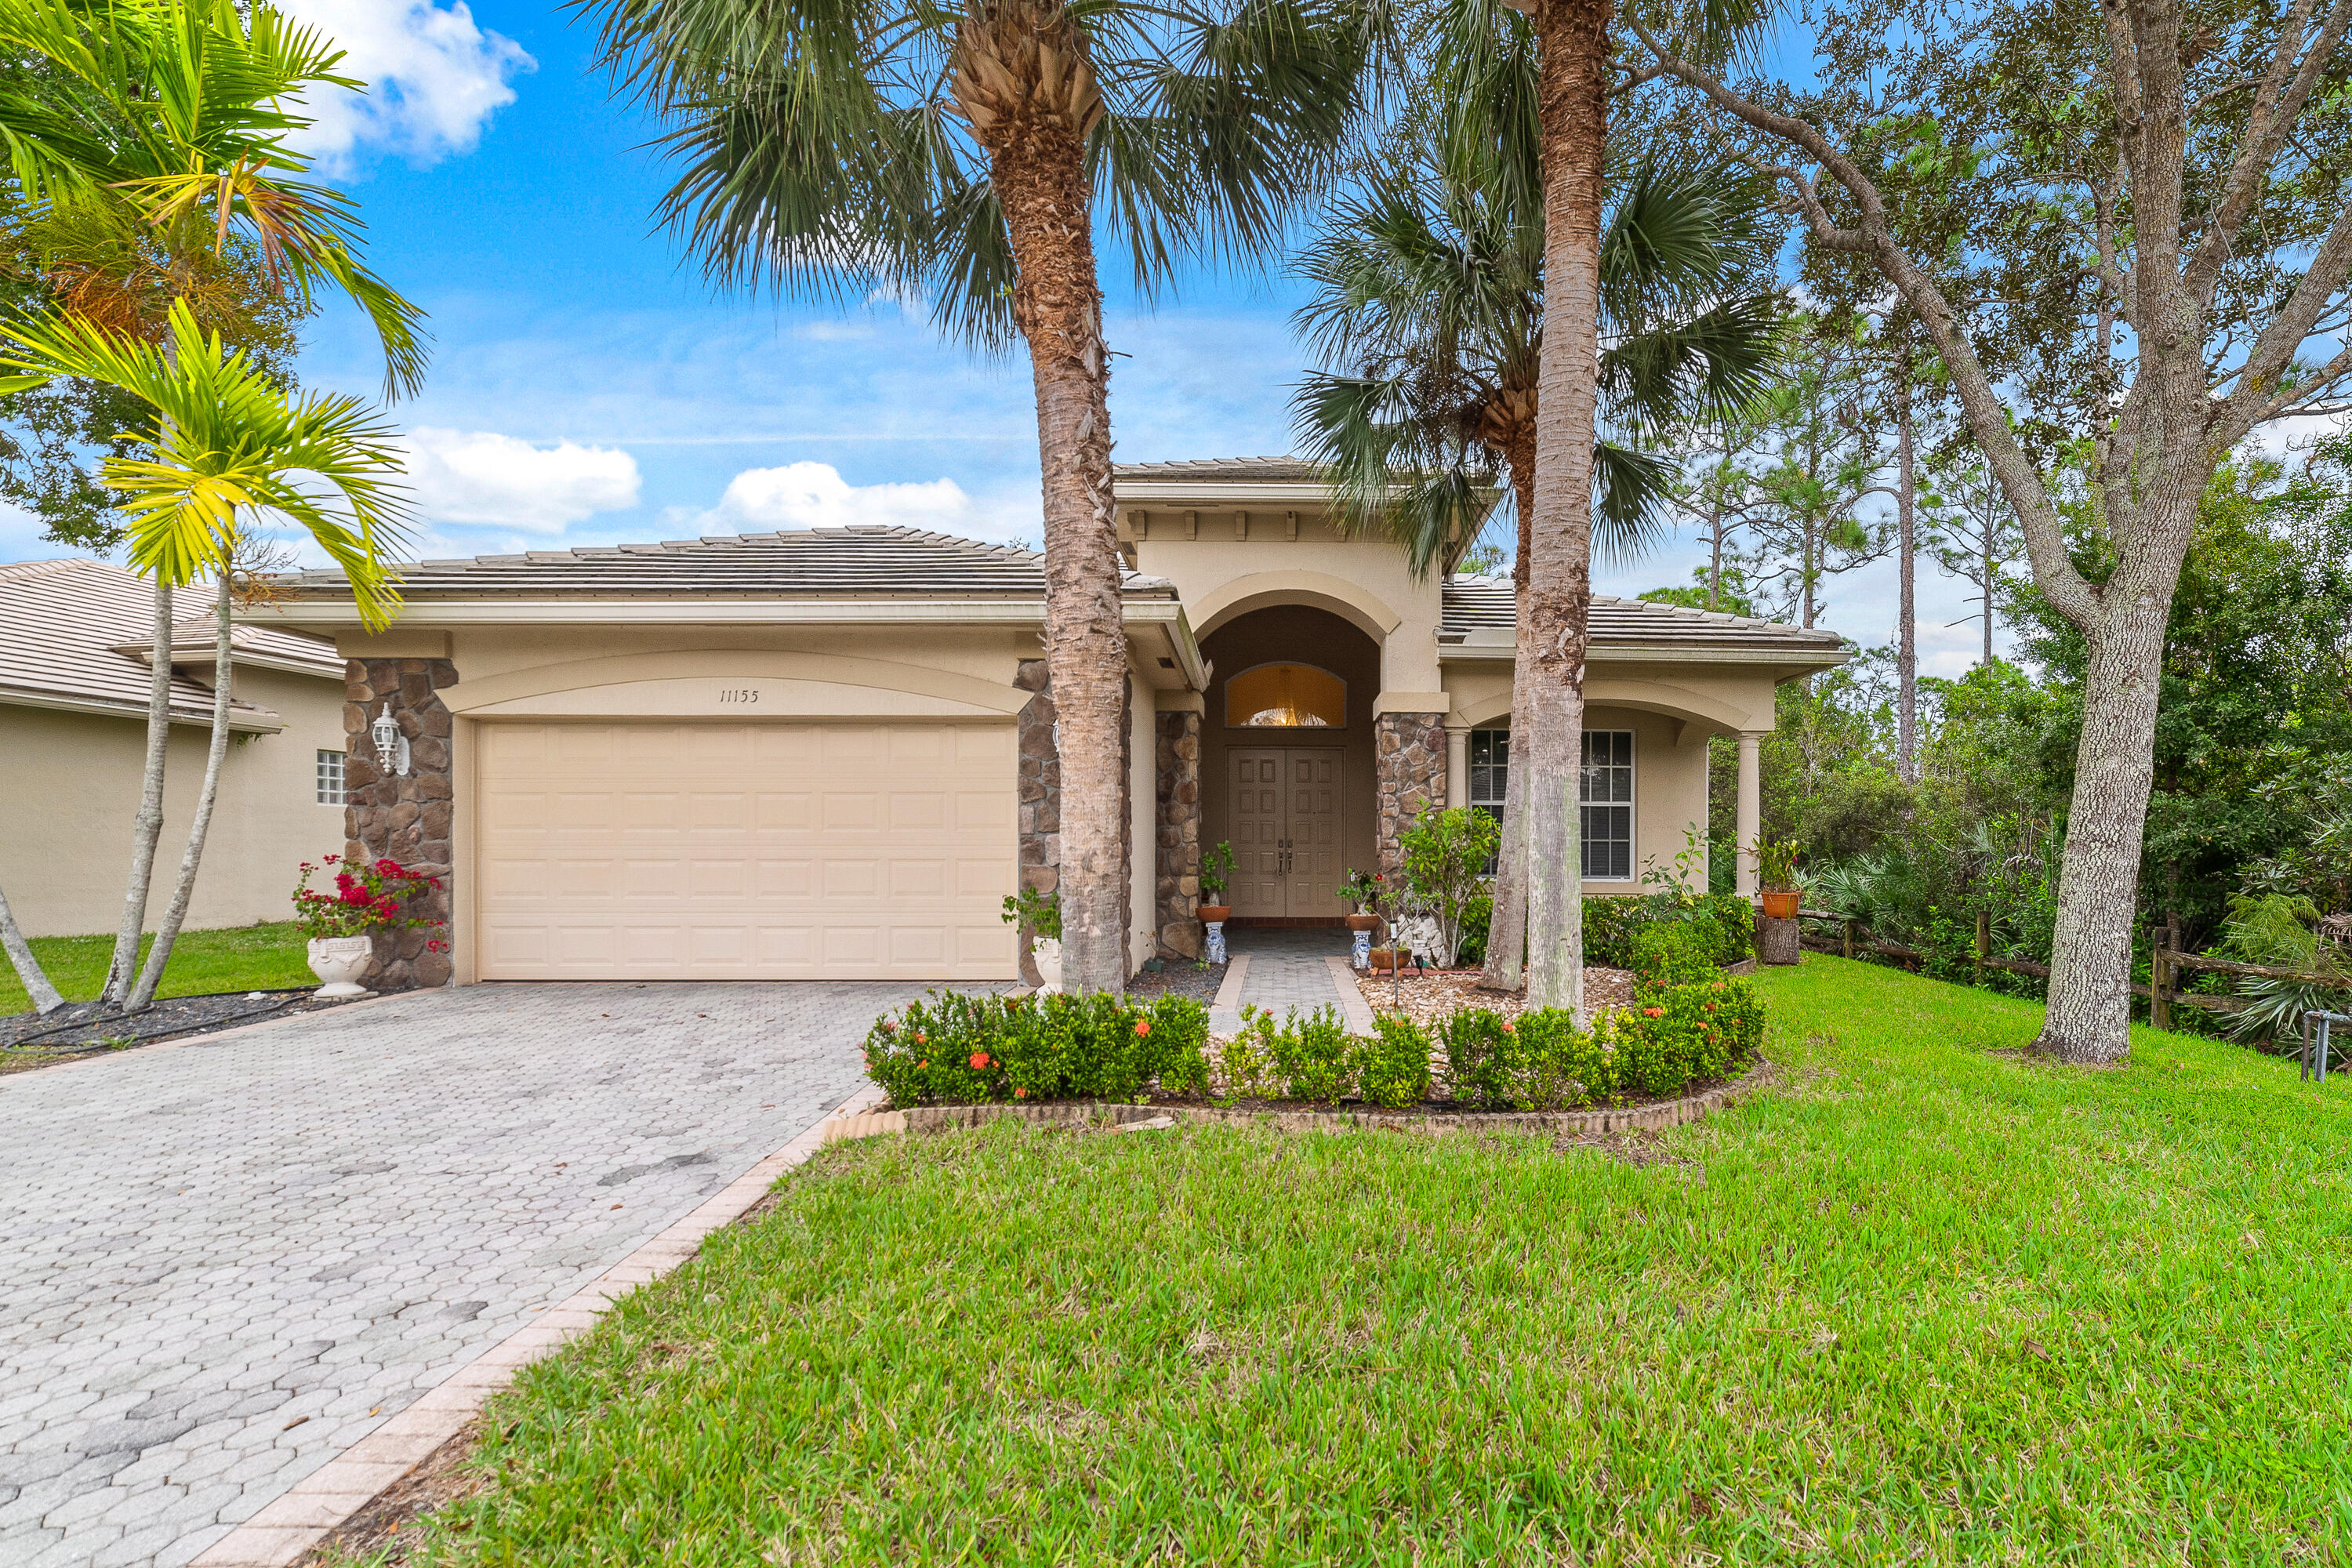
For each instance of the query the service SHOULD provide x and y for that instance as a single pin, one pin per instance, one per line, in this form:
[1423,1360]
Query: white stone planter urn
[1047,952]
[340,961]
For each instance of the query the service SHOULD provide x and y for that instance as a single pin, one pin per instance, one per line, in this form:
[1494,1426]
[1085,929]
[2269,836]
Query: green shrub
[1685,1035]
[1312,1056]
[1538,1061]
[1735,921]
[1478,921]
[1391,1068]
[1609,923]
[960,1049]
[1483,1063]
[1676,953]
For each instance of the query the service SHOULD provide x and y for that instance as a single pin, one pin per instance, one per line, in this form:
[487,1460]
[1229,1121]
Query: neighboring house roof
[866,560]
[1271,470]
[1479,613]
[74,635]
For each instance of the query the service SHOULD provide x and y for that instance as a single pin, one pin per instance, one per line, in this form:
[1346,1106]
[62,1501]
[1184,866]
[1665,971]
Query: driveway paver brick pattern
[1289,971]
[223,1262]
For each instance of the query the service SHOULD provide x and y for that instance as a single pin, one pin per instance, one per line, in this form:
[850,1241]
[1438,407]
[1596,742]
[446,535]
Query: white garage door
[720,851]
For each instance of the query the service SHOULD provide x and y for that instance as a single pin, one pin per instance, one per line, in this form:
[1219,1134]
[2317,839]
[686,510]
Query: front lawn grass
[241,958]
[1920,1303]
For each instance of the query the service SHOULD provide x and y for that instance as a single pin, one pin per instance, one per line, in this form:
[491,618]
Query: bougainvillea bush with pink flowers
[369,896]
[959,1049]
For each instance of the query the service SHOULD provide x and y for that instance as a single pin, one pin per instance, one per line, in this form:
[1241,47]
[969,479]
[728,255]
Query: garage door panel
[770,850]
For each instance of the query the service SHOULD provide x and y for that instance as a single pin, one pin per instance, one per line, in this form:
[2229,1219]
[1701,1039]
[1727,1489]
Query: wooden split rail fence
[2162,993]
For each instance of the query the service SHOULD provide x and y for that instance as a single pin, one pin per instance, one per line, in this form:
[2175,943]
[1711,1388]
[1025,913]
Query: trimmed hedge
[957,1049]
[1613,922]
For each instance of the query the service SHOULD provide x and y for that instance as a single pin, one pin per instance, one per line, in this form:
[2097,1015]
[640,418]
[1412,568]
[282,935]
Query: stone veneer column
[1411,749]
[1177,770]
[407,818]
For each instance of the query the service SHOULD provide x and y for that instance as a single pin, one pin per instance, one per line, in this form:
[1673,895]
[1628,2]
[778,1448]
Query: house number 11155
[738,694]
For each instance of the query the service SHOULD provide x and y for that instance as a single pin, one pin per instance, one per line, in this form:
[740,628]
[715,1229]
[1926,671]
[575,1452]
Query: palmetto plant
[141,135]
[957,153]
[1430,301]
[227,444]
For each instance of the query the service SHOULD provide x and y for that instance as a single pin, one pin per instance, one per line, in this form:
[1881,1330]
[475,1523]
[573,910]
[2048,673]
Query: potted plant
[1216,873]
[1040,914]
[369,896]
[1776,878]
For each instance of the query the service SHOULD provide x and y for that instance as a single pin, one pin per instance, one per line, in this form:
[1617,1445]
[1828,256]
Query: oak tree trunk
[1038,166]
[167,931]
[1573,35]
[2089,1016]
[147,826]
[1506,930]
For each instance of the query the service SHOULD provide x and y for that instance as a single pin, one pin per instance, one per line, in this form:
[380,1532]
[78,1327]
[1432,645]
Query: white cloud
[481,477]
[434,77]
[814,495]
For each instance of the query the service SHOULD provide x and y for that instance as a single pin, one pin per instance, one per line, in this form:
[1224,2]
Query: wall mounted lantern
[391,745]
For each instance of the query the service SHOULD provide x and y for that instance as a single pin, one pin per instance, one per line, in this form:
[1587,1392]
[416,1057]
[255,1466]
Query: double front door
[1287,804]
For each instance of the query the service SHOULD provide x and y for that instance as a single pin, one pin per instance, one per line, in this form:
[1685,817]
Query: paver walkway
[1290,970]
[223,1263]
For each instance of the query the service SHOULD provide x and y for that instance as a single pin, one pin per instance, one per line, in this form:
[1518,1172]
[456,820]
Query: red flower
[1654,1012]
[332,858]
[1509,1027]
[978,1061]
[920,1065]
[1143,1027]
[389,868]
[1019,1094]
[921,1038]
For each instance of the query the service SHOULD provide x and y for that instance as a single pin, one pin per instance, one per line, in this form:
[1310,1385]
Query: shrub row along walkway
[231,1258]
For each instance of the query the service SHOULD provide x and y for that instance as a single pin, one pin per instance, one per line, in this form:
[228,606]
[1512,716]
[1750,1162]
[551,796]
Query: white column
[1457,764]
[1751,806]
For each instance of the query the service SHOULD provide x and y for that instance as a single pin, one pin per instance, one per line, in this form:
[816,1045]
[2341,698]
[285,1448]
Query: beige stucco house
[76,661]
[829,754]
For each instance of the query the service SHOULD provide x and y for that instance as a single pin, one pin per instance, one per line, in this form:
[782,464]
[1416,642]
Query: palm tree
[958,153]
[1429,289]
[143,136]
[227,444]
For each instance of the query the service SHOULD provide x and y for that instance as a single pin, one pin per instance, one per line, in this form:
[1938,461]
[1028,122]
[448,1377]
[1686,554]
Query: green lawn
[242,958]
[1919,1304]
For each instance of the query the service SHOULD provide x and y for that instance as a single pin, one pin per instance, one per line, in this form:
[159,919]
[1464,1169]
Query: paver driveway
[223,1263]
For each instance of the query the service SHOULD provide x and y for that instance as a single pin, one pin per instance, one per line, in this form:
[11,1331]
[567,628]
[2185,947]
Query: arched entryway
[1288,760]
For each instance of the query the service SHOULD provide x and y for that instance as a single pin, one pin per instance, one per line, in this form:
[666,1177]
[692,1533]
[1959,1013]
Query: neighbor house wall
[70,785]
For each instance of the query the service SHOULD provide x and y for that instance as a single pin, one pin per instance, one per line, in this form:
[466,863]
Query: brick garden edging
[1082,1113]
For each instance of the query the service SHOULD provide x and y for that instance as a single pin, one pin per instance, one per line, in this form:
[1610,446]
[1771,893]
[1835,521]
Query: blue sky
[588,387]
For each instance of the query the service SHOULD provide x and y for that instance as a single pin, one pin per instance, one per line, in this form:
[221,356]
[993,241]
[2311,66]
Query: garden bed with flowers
[1687,1027]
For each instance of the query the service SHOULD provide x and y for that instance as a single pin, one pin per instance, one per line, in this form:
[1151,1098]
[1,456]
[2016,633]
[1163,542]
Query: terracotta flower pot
[1214,912]
[339,962]
[1387,958]
[1363,922]
[1781,906]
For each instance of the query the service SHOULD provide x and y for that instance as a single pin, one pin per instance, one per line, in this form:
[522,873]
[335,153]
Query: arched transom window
[1286,697]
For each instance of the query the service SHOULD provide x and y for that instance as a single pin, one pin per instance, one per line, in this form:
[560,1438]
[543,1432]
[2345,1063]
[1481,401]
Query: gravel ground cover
[1427,997]
[1160,978]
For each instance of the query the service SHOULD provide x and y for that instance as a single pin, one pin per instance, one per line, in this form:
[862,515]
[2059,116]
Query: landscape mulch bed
[1160,978]
[1430,996]
[86,1028]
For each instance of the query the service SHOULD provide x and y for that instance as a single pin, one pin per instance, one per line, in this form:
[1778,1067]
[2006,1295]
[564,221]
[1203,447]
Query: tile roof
[1486,604]
[1271,470]
[861,560]
[75,634]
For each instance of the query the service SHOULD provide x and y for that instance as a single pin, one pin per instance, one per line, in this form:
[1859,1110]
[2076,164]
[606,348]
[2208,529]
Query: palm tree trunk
[1039,170]
[1506,930]
[1574,38]
[152,973]
[1907,657]
[35,979]
[146,827]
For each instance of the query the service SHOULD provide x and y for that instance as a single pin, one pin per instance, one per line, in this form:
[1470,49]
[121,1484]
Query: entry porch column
[1751,806]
